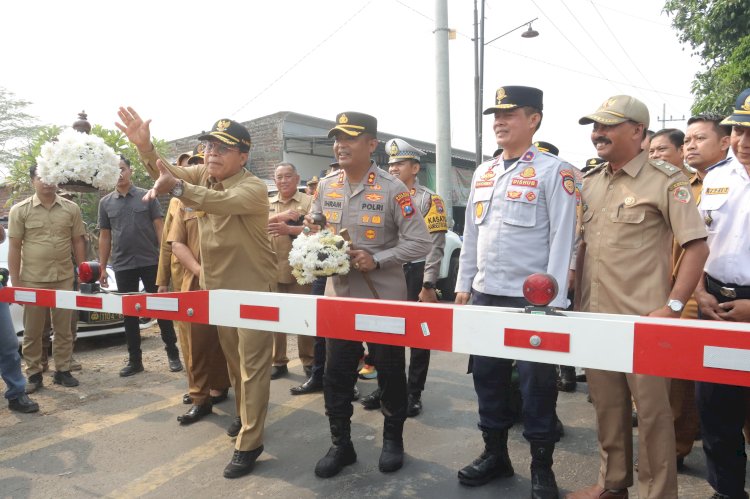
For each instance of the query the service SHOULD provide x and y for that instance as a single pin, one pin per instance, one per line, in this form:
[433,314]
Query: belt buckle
[728,292]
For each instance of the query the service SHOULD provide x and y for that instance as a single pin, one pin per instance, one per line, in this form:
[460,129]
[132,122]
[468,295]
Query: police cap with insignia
[516,96]
[198,156]
[354,124]
[400,150]
[547,147]
[231,133]
[312,181]
[591,163]
[741,114]
[618,109]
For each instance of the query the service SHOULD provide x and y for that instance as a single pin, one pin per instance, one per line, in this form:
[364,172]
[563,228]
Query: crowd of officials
[656,225]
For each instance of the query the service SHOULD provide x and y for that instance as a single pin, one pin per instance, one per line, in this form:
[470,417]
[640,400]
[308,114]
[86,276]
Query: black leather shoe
[543,484]
[133,367]
[34,383]
[217,399]
[312,385]
[65,379]
[235,427]
[195,413]
[23,404]
[279,371]
[242,462]
[175,365]
[392,456]
[371,401]
[335,459]
[414,405]
[187,399]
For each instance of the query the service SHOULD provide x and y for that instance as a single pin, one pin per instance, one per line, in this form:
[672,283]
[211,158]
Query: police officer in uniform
[520,219]
[387,231]
[724,295]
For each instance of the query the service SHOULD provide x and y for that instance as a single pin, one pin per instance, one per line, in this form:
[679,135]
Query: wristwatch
[178,189]
[428,285]
[675,305]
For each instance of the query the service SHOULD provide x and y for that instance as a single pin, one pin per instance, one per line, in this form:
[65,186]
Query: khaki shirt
[170,268]
[691,307]
[282,245]
[381,219]
[432,208]
[185,230]
[46,237]
[234,241]
[630,218]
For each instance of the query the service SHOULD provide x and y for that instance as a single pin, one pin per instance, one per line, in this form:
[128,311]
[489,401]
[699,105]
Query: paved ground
[118,437]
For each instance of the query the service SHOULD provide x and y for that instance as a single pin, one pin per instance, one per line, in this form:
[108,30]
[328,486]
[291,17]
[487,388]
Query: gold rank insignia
[371,178]
[479,209]
[528,172]
[343,120]
[394,149]
[370,234]
[222,125]
[500,95]
[376,219]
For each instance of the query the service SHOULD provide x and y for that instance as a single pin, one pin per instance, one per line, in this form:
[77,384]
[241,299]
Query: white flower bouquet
[79,158]
[320,254]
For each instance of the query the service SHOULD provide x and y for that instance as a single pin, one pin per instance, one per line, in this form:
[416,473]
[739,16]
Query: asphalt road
[115,437]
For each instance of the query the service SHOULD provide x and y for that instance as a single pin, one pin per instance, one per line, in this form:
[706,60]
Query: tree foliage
[718,31]
[17,127]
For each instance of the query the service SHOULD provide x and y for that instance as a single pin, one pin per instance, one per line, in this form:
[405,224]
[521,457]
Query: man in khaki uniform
[288,207]
[44,230]
[235,252]
[386,230]
[633,208]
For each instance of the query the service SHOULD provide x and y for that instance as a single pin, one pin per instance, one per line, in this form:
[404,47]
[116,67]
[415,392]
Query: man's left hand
[736,311]
[428,295]
[163,185]
[278,229]
[361,260]
[665,312]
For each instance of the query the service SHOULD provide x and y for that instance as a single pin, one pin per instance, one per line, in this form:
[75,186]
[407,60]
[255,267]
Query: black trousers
[492,382]
[319,345]
[419,358]
[342,360]
[128,282]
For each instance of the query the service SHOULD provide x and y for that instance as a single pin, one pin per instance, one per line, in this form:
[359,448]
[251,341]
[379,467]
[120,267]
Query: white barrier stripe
[726,358]
[380,324]
[111,303]
[24,296]
[163,304]
[297,313]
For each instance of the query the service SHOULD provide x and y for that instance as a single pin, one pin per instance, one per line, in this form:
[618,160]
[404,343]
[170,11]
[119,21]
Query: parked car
[90,323]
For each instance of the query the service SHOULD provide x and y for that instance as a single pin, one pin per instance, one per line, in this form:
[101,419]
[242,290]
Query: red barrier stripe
[89,301]
[259,313]
[552,342]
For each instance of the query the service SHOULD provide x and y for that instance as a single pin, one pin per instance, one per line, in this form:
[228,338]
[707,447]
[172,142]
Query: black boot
[493,463]
[543,485]
[392,455]
[341,452]
[133,367]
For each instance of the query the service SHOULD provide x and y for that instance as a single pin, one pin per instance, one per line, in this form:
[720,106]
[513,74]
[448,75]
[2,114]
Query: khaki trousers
[305,344]
[34,319]
[685,414]
[657,469]
[207,366]
[248,353]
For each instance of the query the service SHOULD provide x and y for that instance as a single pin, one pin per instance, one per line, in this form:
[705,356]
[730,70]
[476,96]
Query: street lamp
[479,44]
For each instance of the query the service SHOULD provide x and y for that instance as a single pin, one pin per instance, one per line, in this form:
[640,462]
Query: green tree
[718,31]
[17,128]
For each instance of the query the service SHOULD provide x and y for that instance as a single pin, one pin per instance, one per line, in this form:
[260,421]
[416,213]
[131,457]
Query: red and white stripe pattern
[688,349]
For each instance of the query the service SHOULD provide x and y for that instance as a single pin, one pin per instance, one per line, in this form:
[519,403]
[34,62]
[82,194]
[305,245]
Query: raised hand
[133,126]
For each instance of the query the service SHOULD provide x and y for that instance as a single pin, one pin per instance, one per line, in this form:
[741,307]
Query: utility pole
[443,152]
[664,119]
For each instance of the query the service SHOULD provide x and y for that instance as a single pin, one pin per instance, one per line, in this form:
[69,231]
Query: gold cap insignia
[500,95]
[746,105]
[343,120]
[201,148]
[394,149]
[592,161]
[222,125]
[608,103]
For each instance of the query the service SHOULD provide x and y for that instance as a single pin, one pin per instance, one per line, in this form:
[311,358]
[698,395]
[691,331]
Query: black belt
[731,291]
[410,265]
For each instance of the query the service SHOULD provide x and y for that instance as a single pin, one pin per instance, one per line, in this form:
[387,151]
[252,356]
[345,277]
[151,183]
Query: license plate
[99,317]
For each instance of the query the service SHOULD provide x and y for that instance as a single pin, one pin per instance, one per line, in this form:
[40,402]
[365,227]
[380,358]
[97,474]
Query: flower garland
[317,255]
[76,156]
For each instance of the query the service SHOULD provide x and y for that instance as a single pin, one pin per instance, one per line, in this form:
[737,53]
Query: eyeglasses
[220,149]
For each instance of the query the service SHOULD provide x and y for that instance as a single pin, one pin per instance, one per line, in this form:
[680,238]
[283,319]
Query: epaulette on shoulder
[595,169]
[667,169]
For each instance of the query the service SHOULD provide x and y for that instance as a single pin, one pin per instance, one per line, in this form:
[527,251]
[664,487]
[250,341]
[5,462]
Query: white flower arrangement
[320,254]
[76,156]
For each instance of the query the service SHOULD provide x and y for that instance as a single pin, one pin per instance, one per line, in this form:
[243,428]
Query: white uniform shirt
[725,206]
[519,221]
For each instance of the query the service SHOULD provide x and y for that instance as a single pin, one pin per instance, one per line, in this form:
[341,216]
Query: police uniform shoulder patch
[682,194]
[404,201]
[568,181]
[664,167]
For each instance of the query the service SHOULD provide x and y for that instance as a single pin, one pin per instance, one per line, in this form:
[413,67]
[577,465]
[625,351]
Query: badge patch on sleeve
[568,182]
[435,218]
[404,201]
[682,194]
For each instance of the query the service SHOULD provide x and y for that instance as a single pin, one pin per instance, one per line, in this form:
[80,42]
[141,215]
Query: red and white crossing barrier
[689,349]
